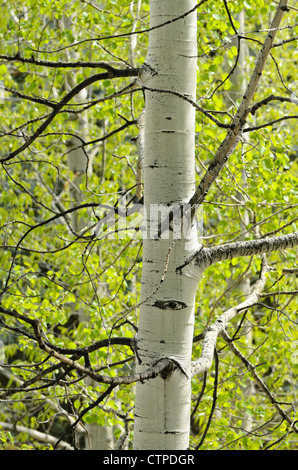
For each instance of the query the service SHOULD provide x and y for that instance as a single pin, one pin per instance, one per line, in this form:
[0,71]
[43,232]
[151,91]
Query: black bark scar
[169,304]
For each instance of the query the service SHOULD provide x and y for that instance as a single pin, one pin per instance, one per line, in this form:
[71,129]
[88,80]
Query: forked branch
[211,334]
[234,134]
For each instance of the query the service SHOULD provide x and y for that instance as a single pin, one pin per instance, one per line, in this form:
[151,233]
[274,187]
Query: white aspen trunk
[77,161]
[162,406]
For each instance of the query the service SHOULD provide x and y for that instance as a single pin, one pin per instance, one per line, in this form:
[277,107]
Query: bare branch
[271,123]
[234,134]
[124,35]
[163,365]
[36,435]
[71,94]
[211,334]
[193,103]
[267,100]
[258,379]
[208,256]
[34,99]
[109,67]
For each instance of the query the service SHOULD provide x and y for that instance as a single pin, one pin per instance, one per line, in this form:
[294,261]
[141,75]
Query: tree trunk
[162,408]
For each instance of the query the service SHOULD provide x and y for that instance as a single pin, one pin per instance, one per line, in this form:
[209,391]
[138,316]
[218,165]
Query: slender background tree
[148,174]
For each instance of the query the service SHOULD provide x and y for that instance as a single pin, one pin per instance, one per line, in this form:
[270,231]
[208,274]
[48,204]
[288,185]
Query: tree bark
[173,262]
[162,408]
[208,256]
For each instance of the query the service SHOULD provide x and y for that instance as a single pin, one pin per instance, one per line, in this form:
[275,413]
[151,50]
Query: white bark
[100,437]
[162,408]
[77,159]
[36,435]
[208,256]
[166,318]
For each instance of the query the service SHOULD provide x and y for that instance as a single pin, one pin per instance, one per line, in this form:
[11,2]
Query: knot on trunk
[171,365]
[169,304]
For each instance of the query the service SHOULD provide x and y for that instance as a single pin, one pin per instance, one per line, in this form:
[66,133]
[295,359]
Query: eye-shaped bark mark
[169,304]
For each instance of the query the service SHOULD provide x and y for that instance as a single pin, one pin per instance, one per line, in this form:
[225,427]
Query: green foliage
[84,289]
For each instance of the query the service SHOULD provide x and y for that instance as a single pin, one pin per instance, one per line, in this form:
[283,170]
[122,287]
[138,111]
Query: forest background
[72,226]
